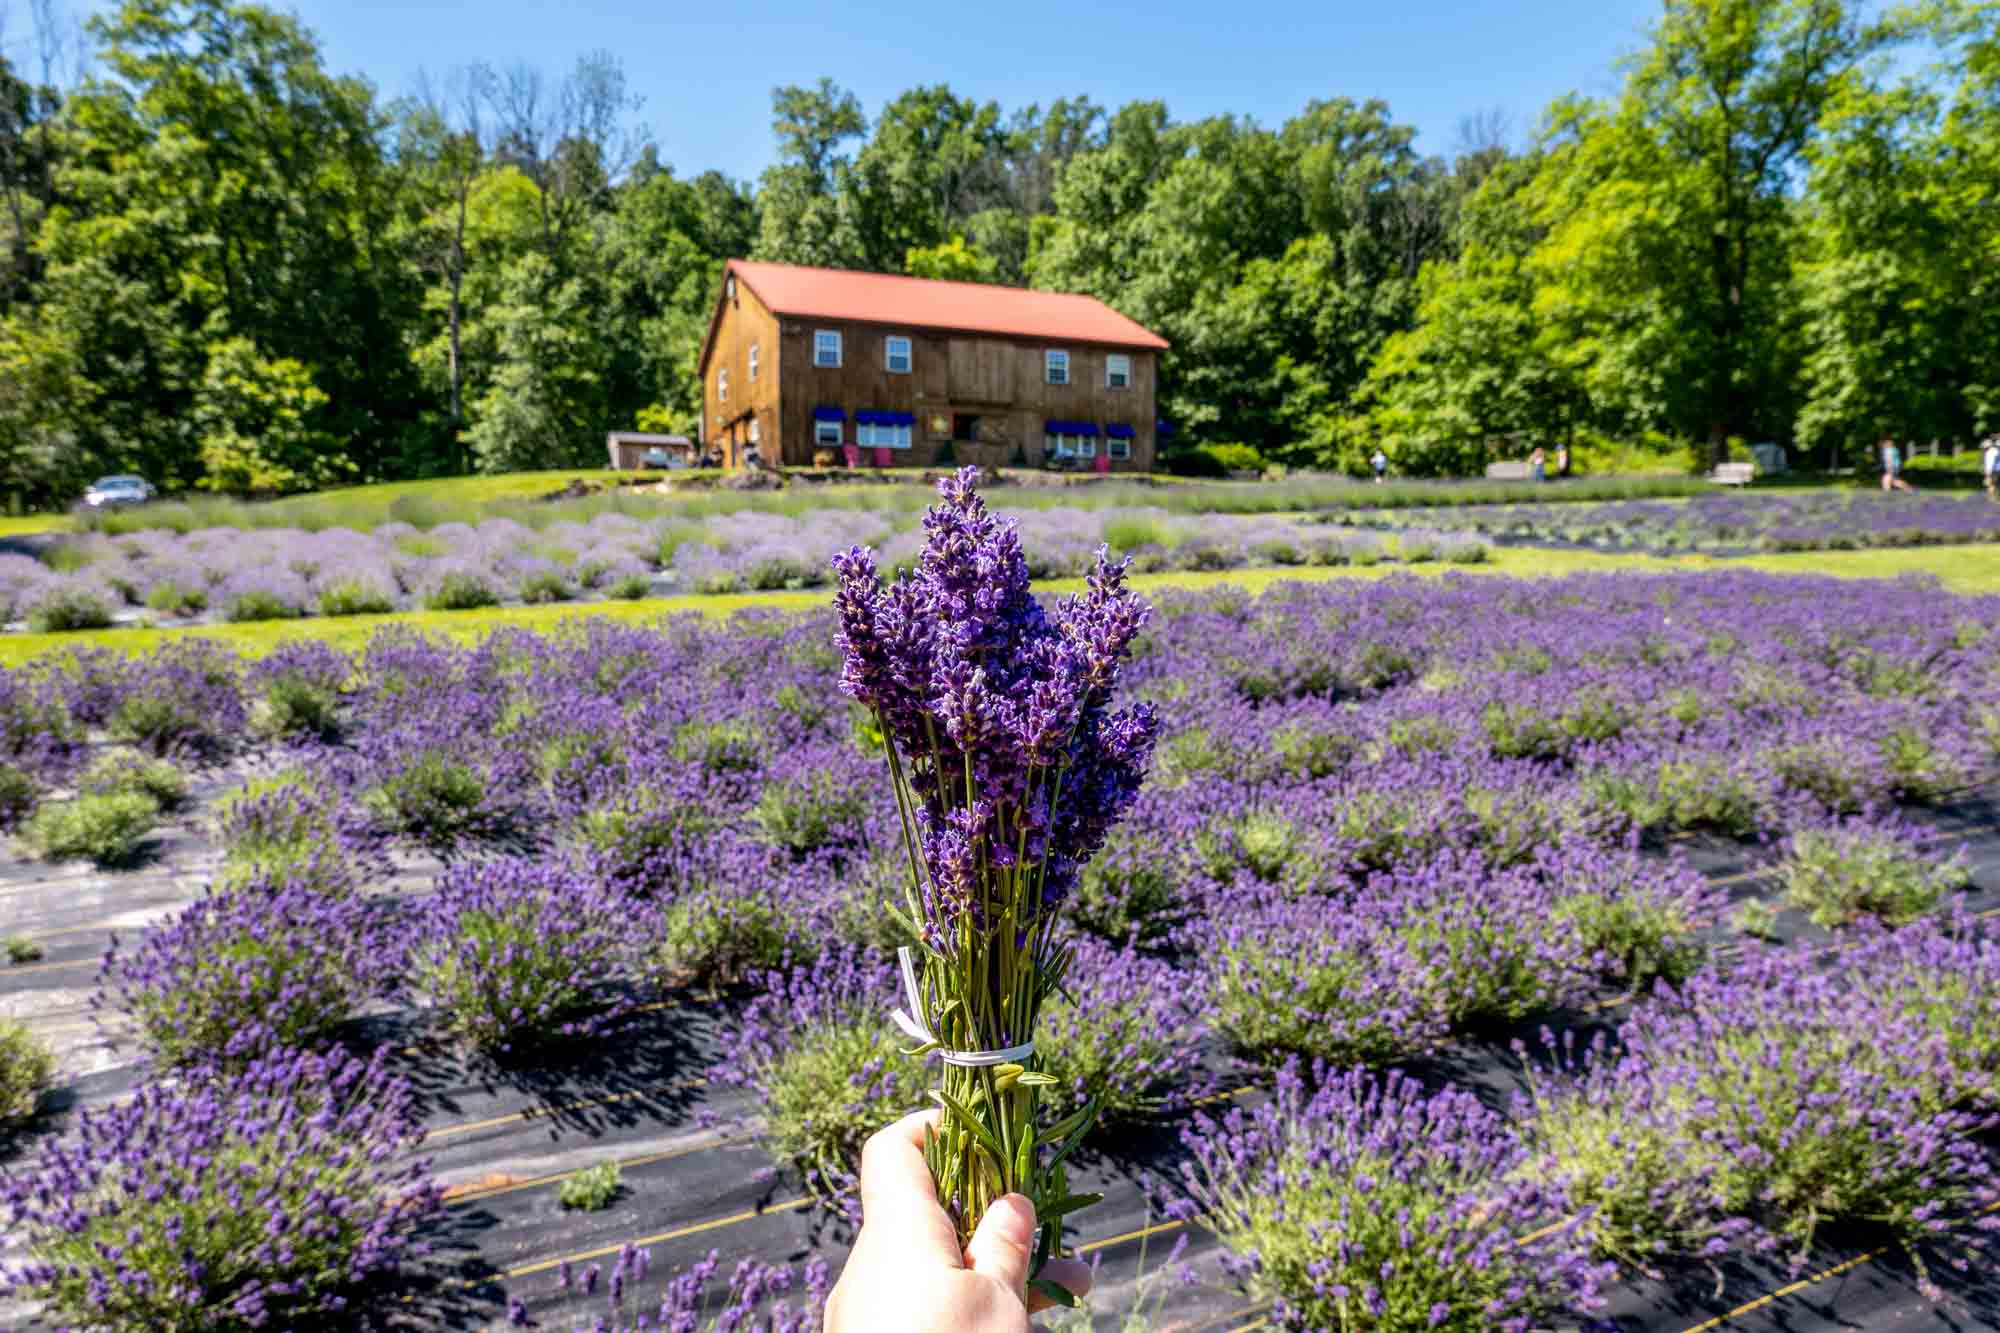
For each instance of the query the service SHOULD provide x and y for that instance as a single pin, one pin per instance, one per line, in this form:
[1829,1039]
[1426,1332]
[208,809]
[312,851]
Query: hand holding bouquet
[1008,767]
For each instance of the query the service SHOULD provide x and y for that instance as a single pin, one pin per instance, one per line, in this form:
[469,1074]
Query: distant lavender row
[1725,522]
[90,580]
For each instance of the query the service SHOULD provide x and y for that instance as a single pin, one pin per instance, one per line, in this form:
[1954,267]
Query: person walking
[1562,460]
[1538,464]
[1892,466]
[1380,462]
[1989,465]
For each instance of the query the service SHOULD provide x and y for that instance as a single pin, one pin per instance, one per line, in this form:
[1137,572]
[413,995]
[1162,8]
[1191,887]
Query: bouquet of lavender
[1008,768]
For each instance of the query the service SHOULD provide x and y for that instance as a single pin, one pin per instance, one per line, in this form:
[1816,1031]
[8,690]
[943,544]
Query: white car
[116,492]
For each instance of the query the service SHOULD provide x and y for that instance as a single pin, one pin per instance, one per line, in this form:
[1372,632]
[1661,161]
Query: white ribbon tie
[911,1021]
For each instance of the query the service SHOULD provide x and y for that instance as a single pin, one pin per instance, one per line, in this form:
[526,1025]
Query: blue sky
[706,70]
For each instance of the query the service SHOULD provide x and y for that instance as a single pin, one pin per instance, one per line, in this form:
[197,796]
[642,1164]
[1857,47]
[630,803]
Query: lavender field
[1598,953]
[1723,523]
[91,580]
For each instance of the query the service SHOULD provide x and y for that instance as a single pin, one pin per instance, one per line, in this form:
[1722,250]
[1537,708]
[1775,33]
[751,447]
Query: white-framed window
[722,385]
[826,433]
[872,436]
[1055,366]
[753,361]
[896,355]
[730,293]
[1116,447]
[1117,371]
[756,431]
[826,348]
[1069,446]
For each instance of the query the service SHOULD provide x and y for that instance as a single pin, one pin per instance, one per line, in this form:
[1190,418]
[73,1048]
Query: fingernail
[1015,1216]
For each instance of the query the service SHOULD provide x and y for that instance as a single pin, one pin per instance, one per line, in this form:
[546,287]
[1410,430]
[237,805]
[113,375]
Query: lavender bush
[26,1065]
[1867,867]
[517,953]
[1756,1104]
[266,1199]
[1359,1202]
[107,829]
[237,976]
[1008,769]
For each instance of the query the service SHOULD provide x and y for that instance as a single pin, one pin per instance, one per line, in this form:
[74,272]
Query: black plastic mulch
[695,1180]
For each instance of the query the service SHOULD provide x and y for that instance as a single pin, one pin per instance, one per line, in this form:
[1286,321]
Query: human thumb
[1003,1243]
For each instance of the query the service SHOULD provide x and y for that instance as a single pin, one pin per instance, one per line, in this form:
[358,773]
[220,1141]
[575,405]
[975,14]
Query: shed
[635,450]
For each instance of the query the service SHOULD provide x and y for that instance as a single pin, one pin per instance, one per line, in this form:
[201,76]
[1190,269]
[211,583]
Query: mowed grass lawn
[1968,569]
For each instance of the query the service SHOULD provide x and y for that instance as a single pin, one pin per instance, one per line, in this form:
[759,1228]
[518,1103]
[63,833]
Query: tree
[255,421]
[537,409]
[954,261]
[800,199]
[1729,94]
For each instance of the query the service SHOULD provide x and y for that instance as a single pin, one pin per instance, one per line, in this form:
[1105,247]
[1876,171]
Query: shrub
[826,1069]
[225,1204]
[26,1066]
[131,773]
[460,590]
[714,935]
[515,954]
[590,1189]
[437,797]
[1761,1102]
[186,697]
[355,595]
[545,585]
[176,599]
[297,691]
[1309,751]
[629,587]
[1127,1031]
[1639,918]
[1868,867]
[106,830]
[641,841]
[240,975]
[63,605]
[280,833]
[1756,918]
[1368,1204]
[18,793]
[808,811]
[1129,890]
[730,746]
[244,604]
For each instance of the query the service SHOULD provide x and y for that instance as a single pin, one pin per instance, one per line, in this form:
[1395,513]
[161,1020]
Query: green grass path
[1968,569]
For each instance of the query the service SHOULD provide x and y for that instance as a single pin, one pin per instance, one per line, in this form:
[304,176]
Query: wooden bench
[1733,474]
[1509,472]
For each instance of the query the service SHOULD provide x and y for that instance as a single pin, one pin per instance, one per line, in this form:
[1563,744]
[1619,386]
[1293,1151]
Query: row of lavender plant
[1379,817]
[1727,522]
[238,574]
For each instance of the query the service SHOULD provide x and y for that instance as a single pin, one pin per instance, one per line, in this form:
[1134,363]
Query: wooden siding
[998,380]
[725,427]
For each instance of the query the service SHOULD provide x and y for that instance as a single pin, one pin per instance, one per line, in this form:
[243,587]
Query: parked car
[117,492]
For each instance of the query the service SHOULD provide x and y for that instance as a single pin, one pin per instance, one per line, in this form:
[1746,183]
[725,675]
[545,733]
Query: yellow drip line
[1158,1228]
[1794,1288]
[1790,1289]
[715,1224]
[452,1199]
[550,1112]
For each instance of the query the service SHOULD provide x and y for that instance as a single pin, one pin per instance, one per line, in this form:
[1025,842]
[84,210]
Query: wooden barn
[871,369]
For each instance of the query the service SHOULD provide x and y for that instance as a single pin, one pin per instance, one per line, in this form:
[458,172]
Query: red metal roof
[926,303]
